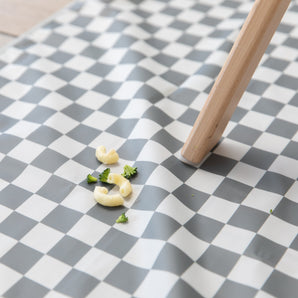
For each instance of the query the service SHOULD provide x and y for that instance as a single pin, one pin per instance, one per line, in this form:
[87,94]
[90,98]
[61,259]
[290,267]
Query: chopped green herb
[103,177]
[122,218]
[91,179]
[192,195]
[271,211]
[129,171]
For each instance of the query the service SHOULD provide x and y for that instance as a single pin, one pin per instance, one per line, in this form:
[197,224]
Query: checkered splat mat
[133,75]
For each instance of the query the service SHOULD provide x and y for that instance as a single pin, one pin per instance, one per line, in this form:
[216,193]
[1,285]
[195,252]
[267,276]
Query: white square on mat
[135,108]
[12,71]
[73,45]
[92,100]
[140,45]
[106,290]
[99,24]
[161,19]
[205,282]
[284,53]
[41,50]
[36,207]
[106,40]
[228,235]
[79,63]
[144,129]
[120,72]
[177,50]
[153,66]
[48,271]
[73,171]
[289,113]
[285,166]
[45,65]
[250,272]
[127,90]
[26,151]
[50,82]
[200,30]
[8,278]
[169,181]
[271,142]
[246,174]
[292,192]
[162,85]
[4,212]
[189,14]
[68,30]
[18,109]
[209,43]
[173,109]
[168,34]
[170,206]
[262,200]
[199,101]
[154,152]
[178,130]
[55,101]
[32,178]
[10,54]
[266,74]
[188,243]
[61,122]
[6,244]
[186,66]
[263,294]
[14,90]
[88,230]
[67,146]
[42,238]
[80,199]
[218,209]
[248,100]
[99,120]
[144,253]
[104,261]
[279,93]
[232,149]
[86,81]
[110,141]
[138,221]
[288,263]
[278,230]
[256,120]
[113,56]
[157,283]
[204,181]
[197,82]
[23,128]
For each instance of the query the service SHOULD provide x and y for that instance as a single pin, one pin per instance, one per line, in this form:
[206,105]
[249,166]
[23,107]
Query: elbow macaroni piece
[124,185]
[101,197]
[106,158]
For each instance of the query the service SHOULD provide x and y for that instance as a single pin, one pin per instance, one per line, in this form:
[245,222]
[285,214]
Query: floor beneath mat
[19,16]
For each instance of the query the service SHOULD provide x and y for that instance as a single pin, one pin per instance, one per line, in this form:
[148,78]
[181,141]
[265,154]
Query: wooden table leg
[245,55]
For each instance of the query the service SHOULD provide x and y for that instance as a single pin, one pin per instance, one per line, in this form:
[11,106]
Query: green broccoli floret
[129,171]
[103,177]
[91,179]
[122,218]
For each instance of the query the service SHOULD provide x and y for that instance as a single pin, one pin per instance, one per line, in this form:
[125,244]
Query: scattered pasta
[106,157]
[124,185]
[101,196]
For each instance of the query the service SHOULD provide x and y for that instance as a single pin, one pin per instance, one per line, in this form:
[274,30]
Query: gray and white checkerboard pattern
[133,75]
